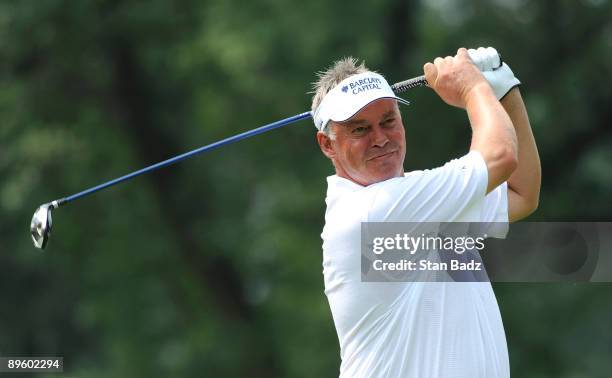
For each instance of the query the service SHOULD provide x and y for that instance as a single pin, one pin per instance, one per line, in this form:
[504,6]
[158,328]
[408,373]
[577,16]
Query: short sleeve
[444,194]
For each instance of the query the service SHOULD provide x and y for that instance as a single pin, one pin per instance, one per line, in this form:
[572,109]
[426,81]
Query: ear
[325,143]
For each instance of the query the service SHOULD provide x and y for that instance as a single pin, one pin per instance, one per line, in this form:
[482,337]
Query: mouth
[382,156]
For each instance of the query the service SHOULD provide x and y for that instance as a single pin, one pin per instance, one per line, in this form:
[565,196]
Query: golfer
[422,329]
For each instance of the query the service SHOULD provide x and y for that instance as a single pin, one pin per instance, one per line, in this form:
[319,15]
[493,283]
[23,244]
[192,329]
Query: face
[369,147]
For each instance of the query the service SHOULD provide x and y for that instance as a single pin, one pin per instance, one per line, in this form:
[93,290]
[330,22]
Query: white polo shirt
[408,329]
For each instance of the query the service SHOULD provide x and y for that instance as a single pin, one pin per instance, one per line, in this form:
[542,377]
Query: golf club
[42,222]
[40,226]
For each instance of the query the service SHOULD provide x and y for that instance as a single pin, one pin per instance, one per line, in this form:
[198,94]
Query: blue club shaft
[186,155]
[398,88]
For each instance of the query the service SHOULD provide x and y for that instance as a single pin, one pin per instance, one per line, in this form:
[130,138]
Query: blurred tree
[212,267]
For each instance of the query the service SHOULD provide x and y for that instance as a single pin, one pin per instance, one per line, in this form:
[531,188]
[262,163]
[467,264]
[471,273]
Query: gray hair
[328,79]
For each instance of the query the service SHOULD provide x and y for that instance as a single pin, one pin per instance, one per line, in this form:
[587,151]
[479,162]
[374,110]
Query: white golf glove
[498,74]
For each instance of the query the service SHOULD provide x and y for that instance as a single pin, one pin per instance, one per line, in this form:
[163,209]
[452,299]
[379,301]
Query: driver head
[40,227]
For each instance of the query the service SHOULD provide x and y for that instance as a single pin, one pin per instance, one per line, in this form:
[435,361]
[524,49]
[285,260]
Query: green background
[213,267]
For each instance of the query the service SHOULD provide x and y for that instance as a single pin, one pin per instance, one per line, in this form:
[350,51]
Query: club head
[40,227]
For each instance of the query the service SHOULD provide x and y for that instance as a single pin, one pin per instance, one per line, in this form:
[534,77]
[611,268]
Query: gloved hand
[498,74]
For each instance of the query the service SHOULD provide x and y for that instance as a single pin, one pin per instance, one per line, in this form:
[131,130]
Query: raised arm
[524,183]
[459,83]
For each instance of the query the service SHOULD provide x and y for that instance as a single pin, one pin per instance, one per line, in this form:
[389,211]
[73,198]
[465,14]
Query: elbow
[533,203]
[512,161]
[507,158]
[527,206]
[530,191]
[520,207]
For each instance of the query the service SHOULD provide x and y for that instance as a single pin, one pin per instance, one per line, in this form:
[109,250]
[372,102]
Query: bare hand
[454,78]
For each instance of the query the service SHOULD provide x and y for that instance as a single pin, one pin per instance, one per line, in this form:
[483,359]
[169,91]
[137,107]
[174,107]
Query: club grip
[420,81]
[405,85]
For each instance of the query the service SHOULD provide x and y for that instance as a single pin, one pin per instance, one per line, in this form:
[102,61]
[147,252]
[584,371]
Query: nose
[379,137]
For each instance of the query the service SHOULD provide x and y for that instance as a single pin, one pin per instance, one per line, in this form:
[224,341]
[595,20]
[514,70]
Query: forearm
[460,83]
[524,183]
[492,135]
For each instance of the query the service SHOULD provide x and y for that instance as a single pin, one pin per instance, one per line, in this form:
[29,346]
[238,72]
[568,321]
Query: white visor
[350,96]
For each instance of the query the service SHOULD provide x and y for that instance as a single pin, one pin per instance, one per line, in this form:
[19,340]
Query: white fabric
[502,80]
[498,74]
[350,96]
[485,58]
[421,330]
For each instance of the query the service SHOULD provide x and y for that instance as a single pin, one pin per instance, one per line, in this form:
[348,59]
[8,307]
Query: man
[422,329]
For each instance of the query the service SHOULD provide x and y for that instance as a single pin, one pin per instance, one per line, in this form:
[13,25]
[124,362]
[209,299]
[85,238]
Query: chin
[383,176]
[386,172]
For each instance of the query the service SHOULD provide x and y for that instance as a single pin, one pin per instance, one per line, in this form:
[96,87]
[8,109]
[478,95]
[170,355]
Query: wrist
[502,80]
[482,91]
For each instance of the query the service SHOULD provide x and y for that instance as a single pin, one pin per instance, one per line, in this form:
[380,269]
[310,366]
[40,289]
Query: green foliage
[213,267]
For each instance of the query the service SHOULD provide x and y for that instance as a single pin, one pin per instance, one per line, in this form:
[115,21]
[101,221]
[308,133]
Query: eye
[389,122]
[359,130]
